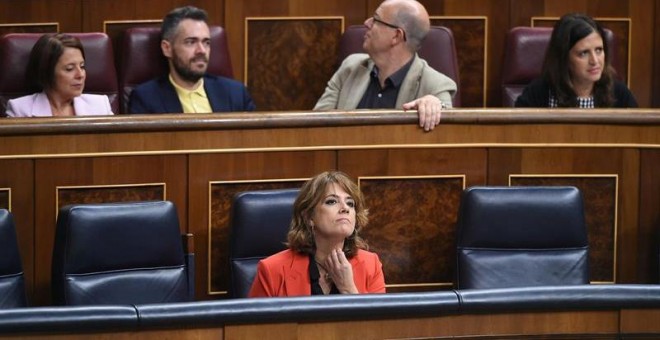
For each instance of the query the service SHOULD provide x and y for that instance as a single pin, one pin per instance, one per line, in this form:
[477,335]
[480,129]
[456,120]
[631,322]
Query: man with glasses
[391,74]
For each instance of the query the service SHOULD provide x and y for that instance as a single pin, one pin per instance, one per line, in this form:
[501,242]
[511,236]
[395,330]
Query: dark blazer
[159,96]
[537,94]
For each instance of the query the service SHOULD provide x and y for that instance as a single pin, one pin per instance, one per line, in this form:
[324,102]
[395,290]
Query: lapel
[41,106]
[168,96]
[357,86]
[297,278]
[410,87]
[217,105]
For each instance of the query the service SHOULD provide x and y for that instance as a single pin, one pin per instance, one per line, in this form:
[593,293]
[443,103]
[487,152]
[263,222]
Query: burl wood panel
[599,196]
[412,224]
[222,195]
[102,194]
[28,28]
[289,61]
[470,40]
[621,30]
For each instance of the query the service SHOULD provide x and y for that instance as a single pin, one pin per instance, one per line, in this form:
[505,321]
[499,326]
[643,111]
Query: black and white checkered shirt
[583,103]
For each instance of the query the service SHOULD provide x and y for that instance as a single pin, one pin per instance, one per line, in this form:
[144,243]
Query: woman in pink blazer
[326,255]
[56,71]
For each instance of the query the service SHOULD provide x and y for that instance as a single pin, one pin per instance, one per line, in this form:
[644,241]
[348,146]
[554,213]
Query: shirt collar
[199,90]
[397,77]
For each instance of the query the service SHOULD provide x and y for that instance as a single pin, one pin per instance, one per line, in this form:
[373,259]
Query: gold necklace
[326,276]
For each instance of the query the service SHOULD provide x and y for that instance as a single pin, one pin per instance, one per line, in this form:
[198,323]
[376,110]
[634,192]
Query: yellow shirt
[194,101]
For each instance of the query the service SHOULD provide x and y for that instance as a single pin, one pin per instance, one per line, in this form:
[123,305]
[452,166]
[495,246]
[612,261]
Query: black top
[376,97]
[314,278]
[537,94]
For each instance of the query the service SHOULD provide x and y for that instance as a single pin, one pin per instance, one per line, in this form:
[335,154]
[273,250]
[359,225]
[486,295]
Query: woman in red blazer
[326,255]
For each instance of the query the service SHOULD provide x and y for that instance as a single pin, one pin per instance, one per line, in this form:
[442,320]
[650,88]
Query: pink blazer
[36,105]
[286,274]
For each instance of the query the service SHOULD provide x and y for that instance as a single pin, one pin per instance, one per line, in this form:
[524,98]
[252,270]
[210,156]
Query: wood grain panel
[111,193]
[17,183]
[236,11]
[102,171]
[586,162]
[497,13]
[656,56]
[43,11]
[29,28]
[290,60]
[649,217]
[397,214]
[600,208]
[470,39]
[640,321]
[96,12]
[412,227]
[209,212]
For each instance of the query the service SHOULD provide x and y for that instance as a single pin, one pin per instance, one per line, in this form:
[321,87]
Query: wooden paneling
[29,28]
[655,94]
[552,325]
[18,178]
[412,229]
[103,175]
[575,162]
[600,195]
[470,39]
[213,180]
[398,184]
[203,159]
[66,13]
[290,60]
[95,12]
[648,242]
[236,12]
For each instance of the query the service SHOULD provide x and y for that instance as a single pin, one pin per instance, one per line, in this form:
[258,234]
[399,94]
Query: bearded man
[187,88]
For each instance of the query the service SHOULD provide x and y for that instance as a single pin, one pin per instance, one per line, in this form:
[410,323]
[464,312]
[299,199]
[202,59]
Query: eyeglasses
[390,26]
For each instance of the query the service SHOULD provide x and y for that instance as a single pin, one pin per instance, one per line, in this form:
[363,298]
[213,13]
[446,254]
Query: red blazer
[287,274]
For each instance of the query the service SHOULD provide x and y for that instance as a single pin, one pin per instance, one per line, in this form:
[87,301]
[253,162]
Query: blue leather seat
[12,283]
[120,253]
[521,236]
[259,226]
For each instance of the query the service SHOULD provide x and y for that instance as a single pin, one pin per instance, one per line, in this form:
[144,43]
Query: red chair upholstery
[142,59]
[99,61]
[438,49]
[523,59]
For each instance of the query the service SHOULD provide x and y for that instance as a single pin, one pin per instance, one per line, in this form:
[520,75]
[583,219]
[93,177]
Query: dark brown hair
[300,237]
[570,29]
[43,59]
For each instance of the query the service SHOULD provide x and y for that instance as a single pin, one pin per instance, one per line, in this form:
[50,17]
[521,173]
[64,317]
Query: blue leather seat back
[12,284]
[521,236]
[259,225]
[119,253]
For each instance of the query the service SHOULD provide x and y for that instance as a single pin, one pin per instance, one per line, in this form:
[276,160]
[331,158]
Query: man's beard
[186,72]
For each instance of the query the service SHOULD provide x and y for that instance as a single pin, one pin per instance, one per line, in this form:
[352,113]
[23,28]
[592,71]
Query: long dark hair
[570,29]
